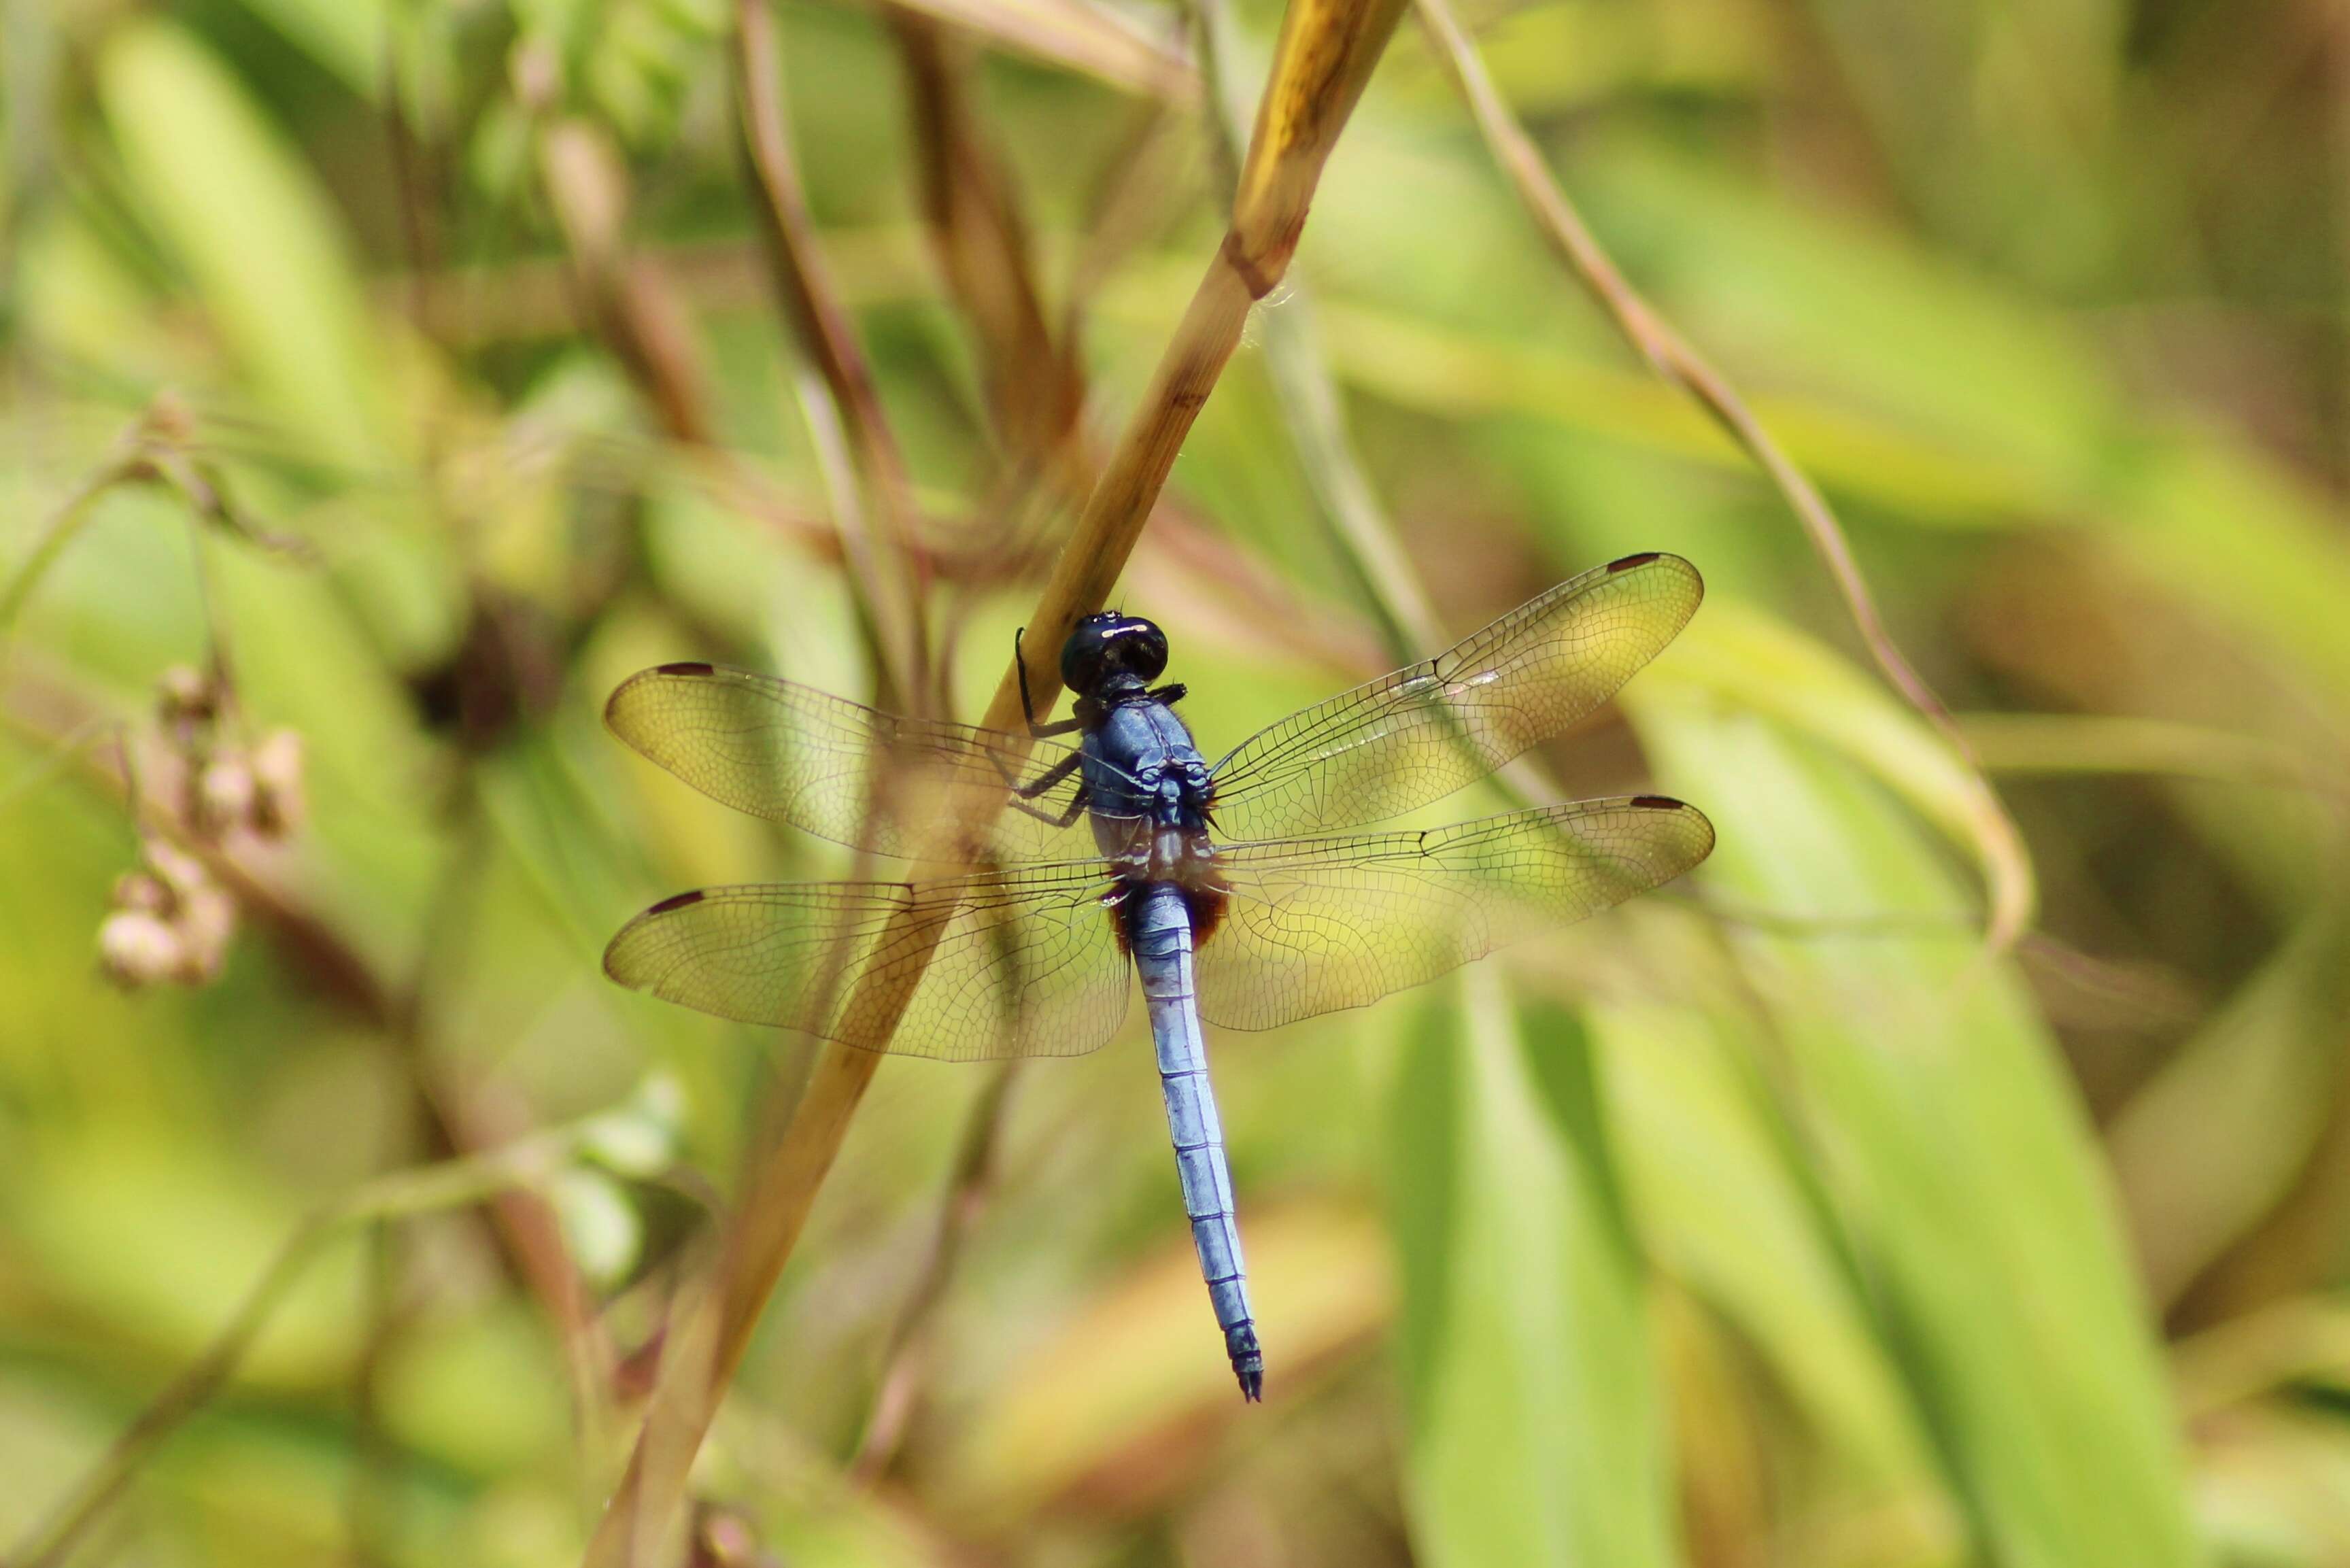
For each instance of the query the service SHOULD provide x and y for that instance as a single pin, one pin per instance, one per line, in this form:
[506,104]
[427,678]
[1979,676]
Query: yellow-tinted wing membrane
[1025,963]
[1424,731]
[780,750]
[1316,925]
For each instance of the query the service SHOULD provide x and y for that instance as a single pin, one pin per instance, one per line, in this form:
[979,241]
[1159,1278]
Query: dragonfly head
[1106,646]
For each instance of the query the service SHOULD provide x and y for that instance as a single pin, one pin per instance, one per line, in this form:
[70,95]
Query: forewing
[1424,731]
[1019,963]
[780,750]
[1315,925]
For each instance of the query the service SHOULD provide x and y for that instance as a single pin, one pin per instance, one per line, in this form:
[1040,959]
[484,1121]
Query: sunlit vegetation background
[386,379]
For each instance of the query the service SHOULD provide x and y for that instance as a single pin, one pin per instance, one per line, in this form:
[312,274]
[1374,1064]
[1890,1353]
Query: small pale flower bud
[225,795]
[279,803]
[207,921]
[186,693]
[137,891]
[136,949]
[181,872]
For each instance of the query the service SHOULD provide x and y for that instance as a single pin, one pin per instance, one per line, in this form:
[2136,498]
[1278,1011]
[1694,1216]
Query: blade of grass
[1959,1156]
[2225,1129]
[1326,55]
[452,1184]
[2062,744]
[1735,653]
[248,219]
[1536,1425]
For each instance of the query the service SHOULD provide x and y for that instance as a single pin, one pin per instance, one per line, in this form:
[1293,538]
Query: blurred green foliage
[1773,1222]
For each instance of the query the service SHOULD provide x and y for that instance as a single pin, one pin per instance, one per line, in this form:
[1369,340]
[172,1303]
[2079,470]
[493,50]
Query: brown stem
[628,296]
[803,286]
[907,1355]
[1033,388]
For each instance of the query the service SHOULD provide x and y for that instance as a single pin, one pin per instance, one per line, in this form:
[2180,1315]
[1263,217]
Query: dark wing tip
[1703,846]
[617,965]
[616,704]
[1649,559]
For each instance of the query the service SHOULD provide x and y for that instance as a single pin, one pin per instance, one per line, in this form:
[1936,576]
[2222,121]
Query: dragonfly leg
[1027,707]
[1049,777]
[1077,802]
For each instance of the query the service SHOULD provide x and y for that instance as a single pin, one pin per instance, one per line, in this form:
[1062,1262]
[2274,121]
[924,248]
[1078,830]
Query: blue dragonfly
[1221,884]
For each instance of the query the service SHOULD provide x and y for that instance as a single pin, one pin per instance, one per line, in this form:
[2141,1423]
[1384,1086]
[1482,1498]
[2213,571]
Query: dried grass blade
[888,581]
[1084,38]
[1034,386]
[635,307]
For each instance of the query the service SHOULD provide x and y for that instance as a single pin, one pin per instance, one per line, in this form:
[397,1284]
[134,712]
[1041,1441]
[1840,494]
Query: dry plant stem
[628,298]
[1325,53]
[908,1352]
[1678,361]
[838,472]
[1034,390]
[63,525]
[804,289]
[1076,34]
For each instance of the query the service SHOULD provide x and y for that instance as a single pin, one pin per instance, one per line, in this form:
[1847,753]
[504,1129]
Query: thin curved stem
[1678,360]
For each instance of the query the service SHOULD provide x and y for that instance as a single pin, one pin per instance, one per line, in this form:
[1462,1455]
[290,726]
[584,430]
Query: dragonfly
[1225,886]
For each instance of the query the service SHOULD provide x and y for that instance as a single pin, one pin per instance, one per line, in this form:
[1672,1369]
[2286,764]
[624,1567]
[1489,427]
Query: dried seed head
[279,803]
[225,795]
[139,892]
[137,949]
[181,872]
[186,695]
[207,922]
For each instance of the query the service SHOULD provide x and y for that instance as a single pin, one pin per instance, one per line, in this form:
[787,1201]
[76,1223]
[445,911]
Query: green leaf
[2226,1129]
[1756,662]
[1537,1434]
[347,37]
[1720,1211]
[1935,1106]
[256,234]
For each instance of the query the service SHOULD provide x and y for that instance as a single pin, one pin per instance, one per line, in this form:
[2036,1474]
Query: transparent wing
[1424,731]
[1315,925]
[1024,963]
[776,749]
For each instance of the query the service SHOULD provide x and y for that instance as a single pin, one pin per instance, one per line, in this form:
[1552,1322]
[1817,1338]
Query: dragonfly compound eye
[1110,644]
